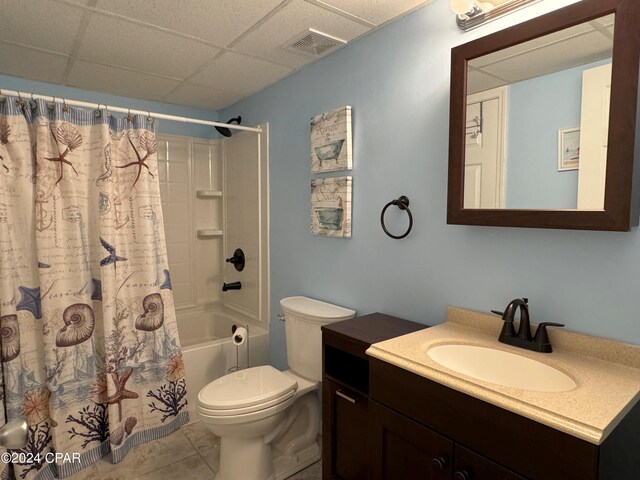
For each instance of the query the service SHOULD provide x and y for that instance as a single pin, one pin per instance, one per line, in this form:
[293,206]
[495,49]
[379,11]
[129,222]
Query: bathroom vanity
[408,417]
[345,390]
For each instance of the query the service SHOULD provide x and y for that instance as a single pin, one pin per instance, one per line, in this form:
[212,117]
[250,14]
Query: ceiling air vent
[314,43]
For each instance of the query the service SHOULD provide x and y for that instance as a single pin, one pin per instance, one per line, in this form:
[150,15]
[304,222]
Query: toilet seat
[246,391]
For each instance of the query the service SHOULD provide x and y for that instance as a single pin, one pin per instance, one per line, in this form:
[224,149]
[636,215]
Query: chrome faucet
[523,339]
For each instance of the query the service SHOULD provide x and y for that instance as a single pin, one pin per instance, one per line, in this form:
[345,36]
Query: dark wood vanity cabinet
[345,392]
[402,448]
[490,443]
[381,422]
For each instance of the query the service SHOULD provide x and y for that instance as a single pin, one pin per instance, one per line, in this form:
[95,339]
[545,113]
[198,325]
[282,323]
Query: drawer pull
[438,463]
[461,475]
[347,397]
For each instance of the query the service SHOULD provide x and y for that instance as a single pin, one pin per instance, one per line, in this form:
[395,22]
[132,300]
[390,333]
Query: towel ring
[403,204]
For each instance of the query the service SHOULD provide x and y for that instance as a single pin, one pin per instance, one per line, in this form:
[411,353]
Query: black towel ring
[403,204]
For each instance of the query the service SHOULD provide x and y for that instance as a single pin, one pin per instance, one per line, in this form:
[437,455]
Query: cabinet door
[469,465]
[344,433]
[403,449]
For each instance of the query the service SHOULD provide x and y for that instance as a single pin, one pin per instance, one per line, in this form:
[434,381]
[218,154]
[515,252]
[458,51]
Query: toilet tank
[303,319]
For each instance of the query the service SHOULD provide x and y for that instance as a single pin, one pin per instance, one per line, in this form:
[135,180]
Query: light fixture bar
[479,17]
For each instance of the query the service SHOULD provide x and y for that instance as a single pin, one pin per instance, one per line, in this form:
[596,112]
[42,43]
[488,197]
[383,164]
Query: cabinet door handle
[461,475]
[346,397]
[438,463]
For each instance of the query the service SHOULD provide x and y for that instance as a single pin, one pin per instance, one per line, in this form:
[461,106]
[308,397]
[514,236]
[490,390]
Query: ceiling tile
[478,81]
[375,11]
[117,81]
[539,43]
[32,64]
[570,53]
[219,21]
[241,73]
[268,39]
[40,23]
[202,97]
[142,48]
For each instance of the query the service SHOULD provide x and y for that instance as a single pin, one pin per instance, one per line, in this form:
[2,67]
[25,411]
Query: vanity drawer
[469,465]
[533,450]
[404,449]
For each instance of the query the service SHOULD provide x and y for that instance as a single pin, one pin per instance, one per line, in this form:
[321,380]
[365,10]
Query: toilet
[268,421]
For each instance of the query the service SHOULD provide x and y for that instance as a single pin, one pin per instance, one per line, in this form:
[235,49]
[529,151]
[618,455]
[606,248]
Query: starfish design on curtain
[112,258]
[166,285]
[96,289]
[30,301]
[121,392]
[66,134]
[147,144]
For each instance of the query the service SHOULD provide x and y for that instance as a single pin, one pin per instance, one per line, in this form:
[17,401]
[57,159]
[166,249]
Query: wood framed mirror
[543,122]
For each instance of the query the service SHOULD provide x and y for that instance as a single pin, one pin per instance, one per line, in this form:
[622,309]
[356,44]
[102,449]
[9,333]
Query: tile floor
[190,453]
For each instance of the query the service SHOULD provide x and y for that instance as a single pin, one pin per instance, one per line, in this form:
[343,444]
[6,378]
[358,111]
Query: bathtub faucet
[231,286]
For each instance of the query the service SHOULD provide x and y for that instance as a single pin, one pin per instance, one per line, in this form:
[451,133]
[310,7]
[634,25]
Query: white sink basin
[502,368]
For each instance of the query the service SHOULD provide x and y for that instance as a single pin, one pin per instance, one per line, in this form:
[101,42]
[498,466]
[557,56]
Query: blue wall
[397,80]
[537,109]
[163,126]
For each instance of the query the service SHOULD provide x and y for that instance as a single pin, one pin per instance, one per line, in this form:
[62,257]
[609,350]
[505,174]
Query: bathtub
[209,352]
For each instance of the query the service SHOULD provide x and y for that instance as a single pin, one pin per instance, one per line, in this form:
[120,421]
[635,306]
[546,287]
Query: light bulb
[461,7]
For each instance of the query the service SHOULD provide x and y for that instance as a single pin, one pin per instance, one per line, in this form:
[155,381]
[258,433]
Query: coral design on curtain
[89,344]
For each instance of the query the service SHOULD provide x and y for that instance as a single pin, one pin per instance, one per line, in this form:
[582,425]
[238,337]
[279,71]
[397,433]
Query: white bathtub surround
[214,195]
[269,421]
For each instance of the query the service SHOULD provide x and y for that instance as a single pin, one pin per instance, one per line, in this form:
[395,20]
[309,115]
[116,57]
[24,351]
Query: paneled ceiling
[579,45]
[200,53]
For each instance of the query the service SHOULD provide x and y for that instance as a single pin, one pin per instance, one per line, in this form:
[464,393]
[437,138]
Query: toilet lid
[246,388]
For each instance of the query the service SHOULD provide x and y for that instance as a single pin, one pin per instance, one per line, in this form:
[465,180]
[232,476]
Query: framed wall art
[331,206]
[331,143]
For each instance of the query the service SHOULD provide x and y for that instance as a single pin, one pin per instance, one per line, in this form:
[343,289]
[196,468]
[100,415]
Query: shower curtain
[89,346]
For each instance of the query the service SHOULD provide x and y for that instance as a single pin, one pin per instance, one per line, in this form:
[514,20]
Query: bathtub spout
[231,286]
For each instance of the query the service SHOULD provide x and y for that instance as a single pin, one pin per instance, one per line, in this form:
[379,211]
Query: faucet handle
[542,336]
[497,312]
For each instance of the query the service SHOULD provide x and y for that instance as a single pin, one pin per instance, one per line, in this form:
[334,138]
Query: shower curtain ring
[32,103]
[19,102]
[129,117]
[149,117]
[52,105]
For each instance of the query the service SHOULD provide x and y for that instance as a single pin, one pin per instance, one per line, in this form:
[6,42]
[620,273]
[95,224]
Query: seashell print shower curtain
[89,346]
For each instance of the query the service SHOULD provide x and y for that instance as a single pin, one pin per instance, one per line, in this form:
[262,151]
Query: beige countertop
[607,373]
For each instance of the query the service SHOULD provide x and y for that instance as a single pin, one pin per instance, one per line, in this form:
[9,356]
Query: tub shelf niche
[208,194]
[209,233]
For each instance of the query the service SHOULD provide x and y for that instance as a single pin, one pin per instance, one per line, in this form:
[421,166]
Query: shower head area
[226,131]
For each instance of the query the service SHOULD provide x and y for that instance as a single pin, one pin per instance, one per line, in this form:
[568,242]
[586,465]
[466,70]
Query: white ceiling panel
[268,39]
[217,21]
[118,81]
[240,73]
[202,97]
[540,43]
[117,42]
[168,49]
[40,23]
[479,82]
[31,64]
[375,11]
[553,58]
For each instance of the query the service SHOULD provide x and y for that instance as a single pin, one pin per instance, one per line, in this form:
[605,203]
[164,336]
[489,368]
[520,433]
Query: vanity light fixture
[473,13]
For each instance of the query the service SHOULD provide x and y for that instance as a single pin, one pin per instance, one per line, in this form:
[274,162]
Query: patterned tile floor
[190,453]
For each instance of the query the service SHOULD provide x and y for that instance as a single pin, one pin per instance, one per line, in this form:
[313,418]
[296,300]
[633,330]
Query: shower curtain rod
[129,111]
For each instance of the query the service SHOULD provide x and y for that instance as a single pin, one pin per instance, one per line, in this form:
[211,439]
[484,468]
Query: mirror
[537,115]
